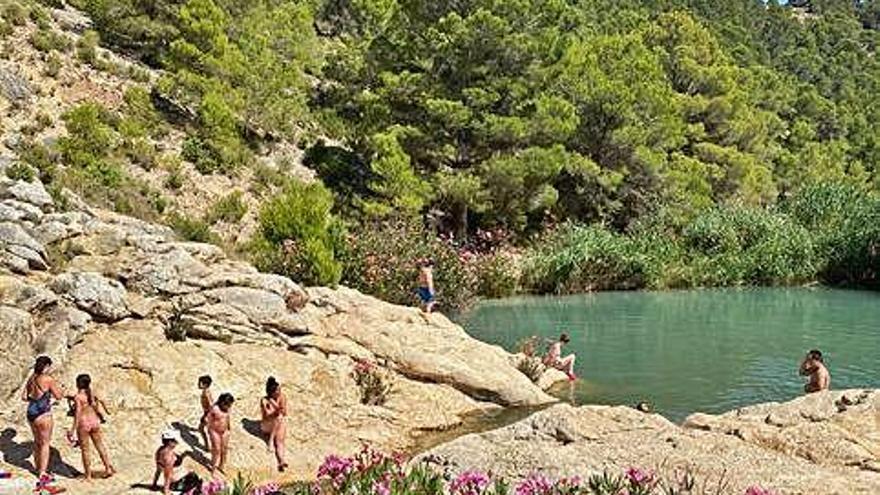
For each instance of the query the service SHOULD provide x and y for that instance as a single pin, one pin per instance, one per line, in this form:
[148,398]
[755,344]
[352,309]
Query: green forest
[548,146]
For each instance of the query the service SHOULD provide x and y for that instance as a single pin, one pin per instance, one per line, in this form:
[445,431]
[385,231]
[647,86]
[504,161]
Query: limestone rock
[15,242]
[565,441]
[102,298]
[71,19]
[835,429]
[16,338]
[15,88]
[27,192]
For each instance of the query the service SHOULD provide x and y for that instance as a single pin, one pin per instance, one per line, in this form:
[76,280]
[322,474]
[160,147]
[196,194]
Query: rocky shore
[108,295]
[822,444]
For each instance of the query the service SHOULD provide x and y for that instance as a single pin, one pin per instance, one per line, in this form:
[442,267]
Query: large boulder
[103,298]
[568,441]
[16,339]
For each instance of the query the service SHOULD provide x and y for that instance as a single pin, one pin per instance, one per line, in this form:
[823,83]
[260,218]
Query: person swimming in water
[554,357]
[426,285]
[813,366]
[87,424]
[219,429]
[39,392]
[273,410]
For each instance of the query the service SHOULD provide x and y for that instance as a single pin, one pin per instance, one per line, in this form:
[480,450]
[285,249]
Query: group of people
[89,412]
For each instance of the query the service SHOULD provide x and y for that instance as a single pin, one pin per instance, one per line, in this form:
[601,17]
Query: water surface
[689,351]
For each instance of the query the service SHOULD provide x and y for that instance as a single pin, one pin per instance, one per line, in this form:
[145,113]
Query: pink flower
[469,483]
[757,490]
[266,489]
[535,484]
[213,487]
[639,477]
[336,468]
[381,487]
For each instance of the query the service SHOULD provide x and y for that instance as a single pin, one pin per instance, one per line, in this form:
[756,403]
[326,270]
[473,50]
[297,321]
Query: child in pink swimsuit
[87,423]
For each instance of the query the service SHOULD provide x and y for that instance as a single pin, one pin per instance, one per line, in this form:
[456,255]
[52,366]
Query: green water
[690,351]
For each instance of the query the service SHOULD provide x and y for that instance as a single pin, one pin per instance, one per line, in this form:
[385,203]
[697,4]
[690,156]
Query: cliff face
[822,444]
[101,293]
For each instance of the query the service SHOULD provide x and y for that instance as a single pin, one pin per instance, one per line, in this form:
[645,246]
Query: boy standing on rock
[219,429]
[426,285]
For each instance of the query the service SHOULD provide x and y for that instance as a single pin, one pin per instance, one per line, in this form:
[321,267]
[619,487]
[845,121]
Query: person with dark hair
[813,366]
[39,392]
[206,401]
[87,424]
[273,410]
[219,429]
[426,284]
[169,465]
[554,357]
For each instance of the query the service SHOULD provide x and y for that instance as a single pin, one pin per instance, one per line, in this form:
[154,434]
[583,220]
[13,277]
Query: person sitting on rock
[554,357]
[273,409]
[813,366]
[219,429]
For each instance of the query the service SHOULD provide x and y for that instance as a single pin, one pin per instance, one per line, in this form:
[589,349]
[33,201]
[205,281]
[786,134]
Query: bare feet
[110,472]
[282,467]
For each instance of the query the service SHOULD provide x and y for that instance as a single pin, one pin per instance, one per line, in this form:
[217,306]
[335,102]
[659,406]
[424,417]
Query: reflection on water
[692,351]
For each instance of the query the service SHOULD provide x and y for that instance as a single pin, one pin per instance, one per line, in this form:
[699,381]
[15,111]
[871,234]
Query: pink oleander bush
[373,473]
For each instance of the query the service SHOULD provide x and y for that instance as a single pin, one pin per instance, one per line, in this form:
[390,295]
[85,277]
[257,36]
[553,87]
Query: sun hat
[171,435]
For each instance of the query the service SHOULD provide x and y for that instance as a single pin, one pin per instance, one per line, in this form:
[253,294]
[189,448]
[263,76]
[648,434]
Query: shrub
[192,229]
[20,171]
[230,208]
[370,472]
[581,259]
[141,152]
[87,47]
[498,273]
[47,40]
[40,16]
[5,29]
[299,236]
[374,382]
[175,178]
[14,14]
[53,64]
[41,158]
[381,260]
[531,366]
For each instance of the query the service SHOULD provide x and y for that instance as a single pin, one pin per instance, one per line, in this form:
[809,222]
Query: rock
[100,297]
[812,427]
[23,295]
[17,211]
[27,192]
[17,243]
[15,88]
[71,19]
[602,439]
[150,384]
[422,347]
[16,339]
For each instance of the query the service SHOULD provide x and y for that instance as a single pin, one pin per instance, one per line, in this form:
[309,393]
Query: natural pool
[688,351]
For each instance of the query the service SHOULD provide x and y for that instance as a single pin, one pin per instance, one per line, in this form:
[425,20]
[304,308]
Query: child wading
[207,401]
[87,423]
[219,428]
[554,357]
[426,285]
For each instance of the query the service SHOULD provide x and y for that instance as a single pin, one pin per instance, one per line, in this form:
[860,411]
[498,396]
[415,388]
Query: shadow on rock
[253,427]
[18,454]
[190,436]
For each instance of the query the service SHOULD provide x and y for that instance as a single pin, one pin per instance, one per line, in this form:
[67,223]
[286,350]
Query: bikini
[39,406]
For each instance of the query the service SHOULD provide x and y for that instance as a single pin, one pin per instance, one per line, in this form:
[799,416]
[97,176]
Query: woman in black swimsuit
[39,392]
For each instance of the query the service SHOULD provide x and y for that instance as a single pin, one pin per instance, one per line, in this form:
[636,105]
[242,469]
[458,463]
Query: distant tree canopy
[512,113]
